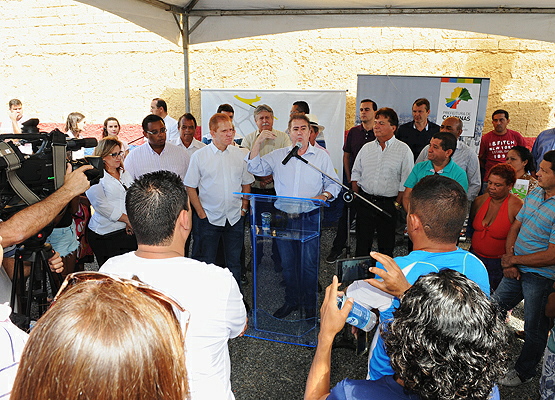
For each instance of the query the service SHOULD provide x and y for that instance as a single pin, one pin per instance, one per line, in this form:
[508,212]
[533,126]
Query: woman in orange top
[492,214]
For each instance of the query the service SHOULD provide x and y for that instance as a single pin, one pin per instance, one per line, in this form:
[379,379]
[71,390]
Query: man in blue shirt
[543,143]
[294,178]
[436,213]
[440,153]
[435,351]
[529,270]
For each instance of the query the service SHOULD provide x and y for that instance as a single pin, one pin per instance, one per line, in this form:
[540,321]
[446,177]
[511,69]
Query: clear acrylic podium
[285,237]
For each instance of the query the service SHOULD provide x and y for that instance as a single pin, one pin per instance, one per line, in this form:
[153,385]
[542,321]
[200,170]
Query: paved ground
[269,370]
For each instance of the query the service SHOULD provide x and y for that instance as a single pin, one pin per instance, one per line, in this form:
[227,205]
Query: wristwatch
[245,210]
[326,195]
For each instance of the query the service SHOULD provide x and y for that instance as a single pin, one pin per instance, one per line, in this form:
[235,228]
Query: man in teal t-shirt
[442,147]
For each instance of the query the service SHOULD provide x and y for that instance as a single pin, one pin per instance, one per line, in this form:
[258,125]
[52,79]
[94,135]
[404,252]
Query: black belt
[372,197]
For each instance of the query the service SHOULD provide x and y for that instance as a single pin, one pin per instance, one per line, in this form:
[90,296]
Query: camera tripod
[41,278]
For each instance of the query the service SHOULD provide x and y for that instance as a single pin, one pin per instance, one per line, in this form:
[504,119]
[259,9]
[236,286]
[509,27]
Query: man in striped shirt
[529,270]
[379,172]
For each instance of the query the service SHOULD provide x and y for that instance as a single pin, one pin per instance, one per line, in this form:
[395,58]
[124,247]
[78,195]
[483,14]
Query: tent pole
[185,40]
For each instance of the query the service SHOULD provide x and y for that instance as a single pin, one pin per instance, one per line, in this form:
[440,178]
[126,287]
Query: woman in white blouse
[109,232]
[75,125]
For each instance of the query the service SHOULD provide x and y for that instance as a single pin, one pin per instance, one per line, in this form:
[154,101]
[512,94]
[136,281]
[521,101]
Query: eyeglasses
[101,278]
[119,154]
[162,130]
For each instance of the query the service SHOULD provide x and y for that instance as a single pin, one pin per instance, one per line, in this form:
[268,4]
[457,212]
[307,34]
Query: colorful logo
[458,95]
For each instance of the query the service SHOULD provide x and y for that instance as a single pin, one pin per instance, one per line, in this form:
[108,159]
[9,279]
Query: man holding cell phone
[434,235]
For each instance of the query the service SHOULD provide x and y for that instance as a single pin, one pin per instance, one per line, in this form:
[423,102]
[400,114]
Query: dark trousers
[370,220]
[110,245]
[300,262]
[232,237]
[343,225]
[495,271]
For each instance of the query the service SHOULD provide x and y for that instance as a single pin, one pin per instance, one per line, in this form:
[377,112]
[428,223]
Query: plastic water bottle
[359,316]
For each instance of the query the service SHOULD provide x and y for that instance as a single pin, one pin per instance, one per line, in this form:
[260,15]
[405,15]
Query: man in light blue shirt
[437,211]
[529,270]
[297,179]
[543,143]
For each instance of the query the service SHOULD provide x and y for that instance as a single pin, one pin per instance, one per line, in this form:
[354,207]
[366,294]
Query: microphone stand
[348,195]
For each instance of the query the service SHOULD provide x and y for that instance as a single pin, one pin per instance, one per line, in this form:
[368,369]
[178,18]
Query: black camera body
[26,179]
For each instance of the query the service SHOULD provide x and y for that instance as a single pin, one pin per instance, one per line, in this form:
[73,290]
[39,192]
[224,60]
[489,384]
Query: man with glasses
[357,137]
[156,154]
[264,120]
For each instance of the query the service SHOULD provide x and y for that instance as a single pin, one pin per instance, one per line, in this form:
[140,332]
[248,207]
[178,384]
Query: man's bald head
[452,125]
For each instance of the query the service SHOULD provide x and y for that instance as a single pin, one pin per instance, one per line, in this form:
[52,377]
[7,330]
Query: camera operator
[32,219]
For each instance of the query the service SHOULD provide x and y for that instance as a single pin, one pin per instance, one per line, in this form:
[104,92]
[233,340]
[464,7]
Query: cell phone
[354,269]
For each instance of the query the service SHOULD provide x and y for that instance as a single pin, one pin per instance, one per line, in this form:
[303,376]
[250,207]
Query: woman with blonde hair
[109,232]
[104,338]
[75,124]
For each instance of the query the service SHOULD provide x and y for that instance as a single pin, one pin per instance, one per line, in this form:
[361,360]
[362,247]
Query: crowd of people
[171,213]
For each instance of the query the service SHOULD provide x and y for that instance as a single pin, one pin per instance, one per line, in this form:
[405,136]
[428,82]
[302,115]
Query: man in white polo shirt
[218,171]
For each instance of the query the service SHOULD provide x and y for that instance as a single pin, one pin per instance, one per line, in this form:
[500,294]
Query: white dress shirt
[108,200]
[194,146]
[172,134]
[217,313]
[218,174]
[12,342]
[297,179]
[383,172]
[143,159]
[78,154]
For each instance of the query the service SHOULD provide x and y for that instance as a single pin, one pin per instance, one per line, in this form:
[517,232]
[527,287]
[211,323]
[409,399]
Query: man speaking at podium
[295,178]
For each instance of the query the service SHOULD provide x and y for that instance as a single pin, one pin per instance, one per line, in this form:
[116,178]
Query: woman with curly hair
[446,342]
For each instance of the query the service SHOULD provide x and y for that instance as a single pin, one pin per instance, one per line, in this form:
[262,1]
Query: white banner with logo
[458,97]
[327,105]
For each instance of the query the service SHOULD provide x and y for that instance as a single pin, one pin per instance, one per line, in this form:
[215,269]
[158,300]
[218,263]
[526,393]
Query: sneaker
[334,255]
[512,379]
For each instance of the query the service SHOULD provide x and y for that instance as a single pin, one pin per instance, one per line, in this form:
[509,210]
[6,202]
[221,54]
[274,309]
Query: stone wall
[61,56]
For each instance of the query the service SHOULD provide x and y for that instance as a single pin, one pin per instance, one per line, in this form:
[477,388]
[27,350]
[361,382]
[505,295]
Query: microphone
[292,153]
[76,144]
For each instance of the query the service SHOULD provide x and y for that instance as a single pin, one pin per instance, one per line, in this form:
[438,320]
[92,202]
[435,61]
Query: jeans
[534,289]
[300,262]
[232,237]
[495,272]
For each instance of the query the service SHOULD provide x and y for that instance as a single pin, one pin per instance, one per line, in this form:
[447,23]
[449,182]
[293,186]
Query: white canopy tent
[198,21]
